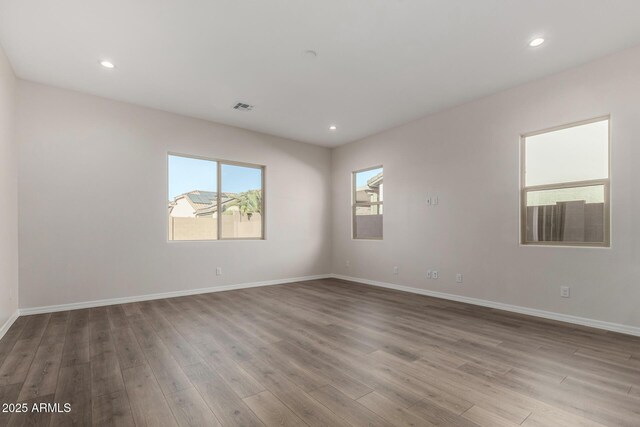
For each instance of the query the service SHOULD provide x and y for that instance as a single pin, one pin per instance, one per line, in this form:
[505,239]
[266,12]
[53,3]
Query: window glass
[579,153]
[369,185]
[192,203]
[368,194]
[570,215]
[368,222]
[565,198]
[194,193]
[241,202]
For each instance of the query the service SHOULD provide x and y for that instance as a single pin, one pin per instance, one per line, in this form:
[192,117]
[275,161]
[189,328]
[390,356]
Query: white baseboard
[8,323]
[149,297]
[614,327]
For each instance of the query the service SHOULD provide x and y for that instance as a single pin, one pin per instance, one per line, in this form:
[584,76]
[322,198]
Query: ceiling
[379,63]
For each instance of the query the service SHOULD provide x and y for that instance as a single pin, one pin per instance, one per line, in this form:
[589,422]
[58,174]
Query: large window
[565,185]
[367,203]
[214,200]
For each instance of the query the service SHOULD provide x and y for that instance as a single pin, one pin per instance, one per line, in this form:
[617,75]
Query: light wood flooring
[323,352]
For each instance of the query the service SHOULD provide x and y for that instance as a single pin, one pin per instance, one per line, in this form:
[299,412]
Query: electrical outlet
[459,278]
[434,274]
[434,200]
[218,271]
[565,291]
[429,274]
[395,270]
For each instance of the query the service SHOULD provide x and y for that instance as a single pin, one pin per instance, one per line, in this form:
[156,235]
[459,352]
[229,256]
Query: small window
[565,185]
[367,203]
[213,200]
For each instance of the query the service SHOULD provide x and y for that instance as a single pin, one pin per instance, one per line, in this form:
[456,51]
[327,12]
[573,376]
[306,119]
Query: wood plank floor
[323,352]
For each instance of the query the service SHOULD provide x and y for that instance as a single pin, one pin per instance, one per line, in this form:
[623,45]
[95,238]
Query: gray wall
[93,197]
[8,194]
[469,157]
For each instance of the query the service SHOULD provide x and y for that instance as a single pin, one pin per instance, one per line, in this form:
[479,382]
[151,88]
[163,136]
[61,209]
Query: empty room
[320,213]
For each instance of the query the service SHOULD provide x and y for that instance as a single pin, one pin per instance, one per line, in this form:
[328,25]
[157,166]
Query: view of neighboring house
[368,212]
[193,216]
[198,204]
[370,193]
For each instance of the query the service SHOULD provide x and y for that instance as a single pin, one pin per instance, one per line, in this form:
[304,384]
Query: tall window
[565,185]
[214,200]
[367,203]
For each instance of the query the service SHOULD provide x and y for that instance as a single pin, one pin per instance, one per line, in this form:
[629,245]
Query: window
[565,185]
[214,200]
[367,203]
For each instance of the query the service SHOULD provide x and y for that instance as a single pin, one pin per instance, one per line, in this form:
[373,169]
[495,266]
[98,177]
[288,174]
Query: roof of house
[202,197]
[375,181]
[204,202]
[209,209]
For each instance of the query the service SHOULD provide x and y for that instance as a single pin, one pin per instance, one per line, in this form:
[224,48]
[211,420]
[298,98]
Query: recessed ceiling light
[332,127]
[107,64]
[536,42]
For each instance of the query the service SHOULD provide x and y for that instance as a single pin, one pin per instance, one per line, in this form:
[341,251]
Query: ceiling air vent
[241,106]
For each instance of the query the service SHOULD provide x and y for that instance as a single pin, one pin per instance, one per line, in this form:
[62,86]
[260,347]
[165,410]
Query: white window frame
[219,164]
[605,182]
[355,204]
